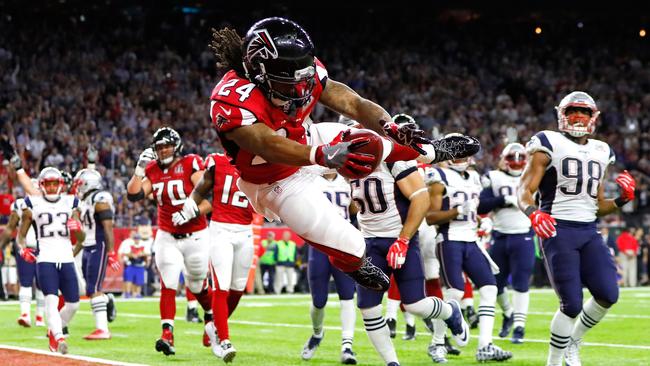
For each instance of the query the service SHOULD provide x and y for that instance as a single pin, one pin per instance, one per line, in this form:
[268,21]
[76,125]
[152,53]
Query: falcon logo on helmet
[167,136]
[569,119]
[513,157]
[262,45]
[51,183]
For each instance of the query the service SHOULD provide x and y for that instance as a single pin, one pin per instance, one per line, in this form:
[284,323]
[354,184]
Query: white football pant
[231,254]
[191,253]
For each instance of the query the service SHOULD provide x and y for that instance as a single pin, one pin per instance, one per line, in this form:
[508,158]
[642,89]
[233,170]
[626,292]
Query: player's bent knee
[571,309]
[195,285]
[488,293]
[73,305]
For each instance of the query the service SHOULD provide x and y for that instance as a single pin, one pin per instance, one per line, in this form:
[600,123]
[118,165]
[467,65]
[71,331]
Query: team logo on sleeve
[262,45]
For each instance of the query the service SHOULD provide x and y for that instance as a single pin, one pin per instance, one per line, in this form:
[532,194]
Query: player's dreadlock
[227,47]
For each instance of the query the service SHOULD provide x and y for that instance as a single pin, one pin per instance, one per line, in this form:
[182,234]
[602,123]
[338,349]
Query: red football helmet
[514,158]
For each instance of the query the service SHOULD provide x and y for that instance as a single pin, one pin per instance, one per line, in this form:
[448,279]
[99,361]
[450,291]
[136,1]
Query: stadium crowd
[82,83]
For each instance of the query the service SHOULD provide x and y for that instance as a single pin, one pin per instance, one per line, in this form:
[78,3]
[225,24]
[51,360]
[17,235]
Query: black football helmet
[167,136]
[279,58]
[403,118]
[67,179]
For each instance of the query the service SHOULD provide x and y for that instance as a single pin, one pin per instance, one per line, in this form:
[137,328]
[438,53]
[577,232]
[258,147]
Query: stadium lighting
[642,32]
[538,30]
[580,25]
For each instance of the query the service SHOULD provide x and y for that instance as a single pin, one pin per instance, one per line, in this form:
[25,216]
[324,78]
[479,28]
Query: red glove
[73,225]
[543,224]
[113,261]
[628,185]
[28,254]
[397,253]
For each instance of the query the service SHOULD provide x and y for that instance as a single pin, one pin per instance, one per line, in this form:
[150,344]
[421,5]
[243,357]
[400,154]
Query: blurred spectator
[609,239]
[136,258]
[628,247]
[285,269]
[268,261]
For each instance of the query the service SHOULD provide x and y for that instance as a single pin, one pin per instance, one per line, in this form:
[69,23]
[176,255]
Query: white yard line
[74,357]
[308,326]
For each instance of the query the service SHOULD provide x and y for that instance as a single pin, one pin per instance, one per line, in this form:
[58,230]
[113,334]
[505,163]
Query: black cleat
[451,350]
[370,276]
[111,310]
[518,335]
[392,327]
[409,334]
[192,315]
[471,317]
[348,357]
[506,326]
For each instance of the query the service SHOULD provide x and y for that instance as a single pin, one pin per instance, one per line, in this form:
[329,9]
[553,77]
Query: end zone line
[74,357]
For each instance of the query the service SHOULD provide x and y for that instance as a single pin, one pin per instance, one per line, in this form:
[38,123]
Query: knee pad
[372,312]
[195,285]
[453,294]
[571,309]
[488,294]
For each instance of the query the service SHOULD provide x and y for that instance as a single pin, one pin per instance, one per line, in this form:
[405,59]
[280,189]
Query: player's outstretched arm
[628,187]
[261,140]
[343,100]
[436,215]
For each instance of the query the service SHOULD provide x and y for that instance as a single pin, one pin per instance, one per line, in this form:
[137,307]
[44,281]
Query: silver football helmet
[577,125]
[87,180]
[513,158]
[51,183]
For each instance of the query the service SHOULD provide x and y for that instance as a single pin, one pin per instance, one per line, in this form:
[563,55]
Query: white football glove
[510,200]
[189,211]
[486,225]
[466,209]
[145,157]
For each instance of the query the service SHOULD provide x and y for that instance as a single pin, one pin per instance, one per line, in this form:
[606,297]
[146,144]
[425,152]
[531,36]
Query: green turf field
[271,330]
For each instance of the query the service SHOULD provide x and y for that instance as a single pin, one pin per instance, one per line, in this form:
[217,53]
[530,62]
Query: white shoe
[438,353]
[25,321]
[492,352]
[39,321]
[572,353]
[309,349]
[228,352]
[211,331]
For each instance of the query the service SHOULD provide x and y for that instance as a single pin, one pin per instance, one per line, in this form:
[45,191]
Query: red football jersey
[238,102]
[229,204]
[171,186]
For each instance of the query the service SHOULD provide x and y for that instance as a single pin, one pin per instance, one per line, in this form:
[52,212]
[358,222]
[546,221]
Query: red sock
[167,304]
[220,310]
[433,288]
[205,298]
[341,260]
[393,291]
[61,303]
[233,300]
[189,295]
[469,291]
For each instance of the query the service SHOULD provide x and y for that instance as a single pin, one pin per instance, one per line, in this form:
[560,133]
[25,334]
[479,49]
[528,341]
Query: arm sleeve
[488,201]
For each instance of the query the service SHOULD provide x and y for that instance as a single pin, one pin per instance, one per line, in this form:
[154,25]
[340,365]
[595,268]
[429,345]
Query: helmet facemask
[162,138]
[51,183]
[577,114]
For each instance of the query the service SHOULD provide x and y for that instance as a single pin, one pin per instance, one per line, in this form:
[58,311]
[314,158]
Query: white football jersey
[569,188]
[459,187]
[507,220]
[18,206]
[426,232]
[93,229]
[49,221]
[382,206]
[338,192]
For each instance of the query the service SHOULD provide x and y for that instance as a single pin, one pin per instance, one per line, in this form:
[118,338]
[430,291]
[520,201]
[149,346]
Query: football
[375,148]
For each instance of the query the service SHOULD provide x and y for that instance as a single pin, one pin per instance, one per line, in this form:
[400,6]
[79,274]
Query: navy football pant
[515,256]
[457,257]
[59,276]
[577,256]
[319,271]
[409,278]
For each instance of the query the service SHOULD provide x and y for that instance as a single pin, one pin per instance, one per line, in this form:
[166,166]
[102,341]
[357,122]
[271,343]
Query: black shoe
[429,324]
[471,317]
[392,327]
[518,335]
[506,326]
[66,334]
[409,335]
[370,276]
[111,310]
[192,315]
[348,357]
[451,350]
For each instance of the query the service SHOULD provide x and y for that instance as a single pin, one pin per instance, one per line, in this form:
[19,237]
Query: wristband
[529,210]
[620,201]
[312,155]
